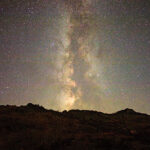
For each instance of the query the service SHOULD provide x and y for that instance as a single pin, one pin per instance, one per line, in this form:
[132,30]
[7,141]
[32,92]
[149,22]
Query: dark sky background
[67,54]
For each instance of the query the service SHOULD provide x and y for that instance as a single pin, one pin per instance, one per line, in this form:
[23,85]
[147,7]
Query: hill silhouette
[32,127]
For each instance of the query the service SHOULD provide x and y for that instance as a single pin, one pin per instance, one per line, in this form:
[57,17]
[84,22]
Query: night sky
[75,54]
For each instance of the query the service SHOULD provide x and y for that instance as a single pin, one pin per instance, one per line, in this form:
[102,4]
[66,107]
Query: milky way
[78,56]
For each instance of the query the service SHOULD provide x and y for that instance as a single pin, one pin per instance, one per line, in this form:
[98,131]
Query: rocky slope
[32,127]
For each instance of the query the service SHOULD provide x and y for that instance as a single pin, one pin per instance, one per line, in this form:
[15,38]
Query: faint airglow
[66,99]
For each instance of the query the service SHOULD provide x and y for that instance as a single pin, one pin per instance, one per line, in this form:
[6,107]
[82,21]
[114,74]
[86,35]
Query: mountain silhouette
[32,127]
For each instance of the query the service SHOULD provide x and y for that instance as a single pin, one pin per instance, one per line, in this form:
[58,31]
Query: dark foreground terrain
[32,127]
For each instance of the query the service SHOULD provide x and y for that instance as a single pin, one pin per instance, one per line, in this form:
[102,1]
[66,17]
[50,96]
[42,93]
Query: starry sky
[75,54]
